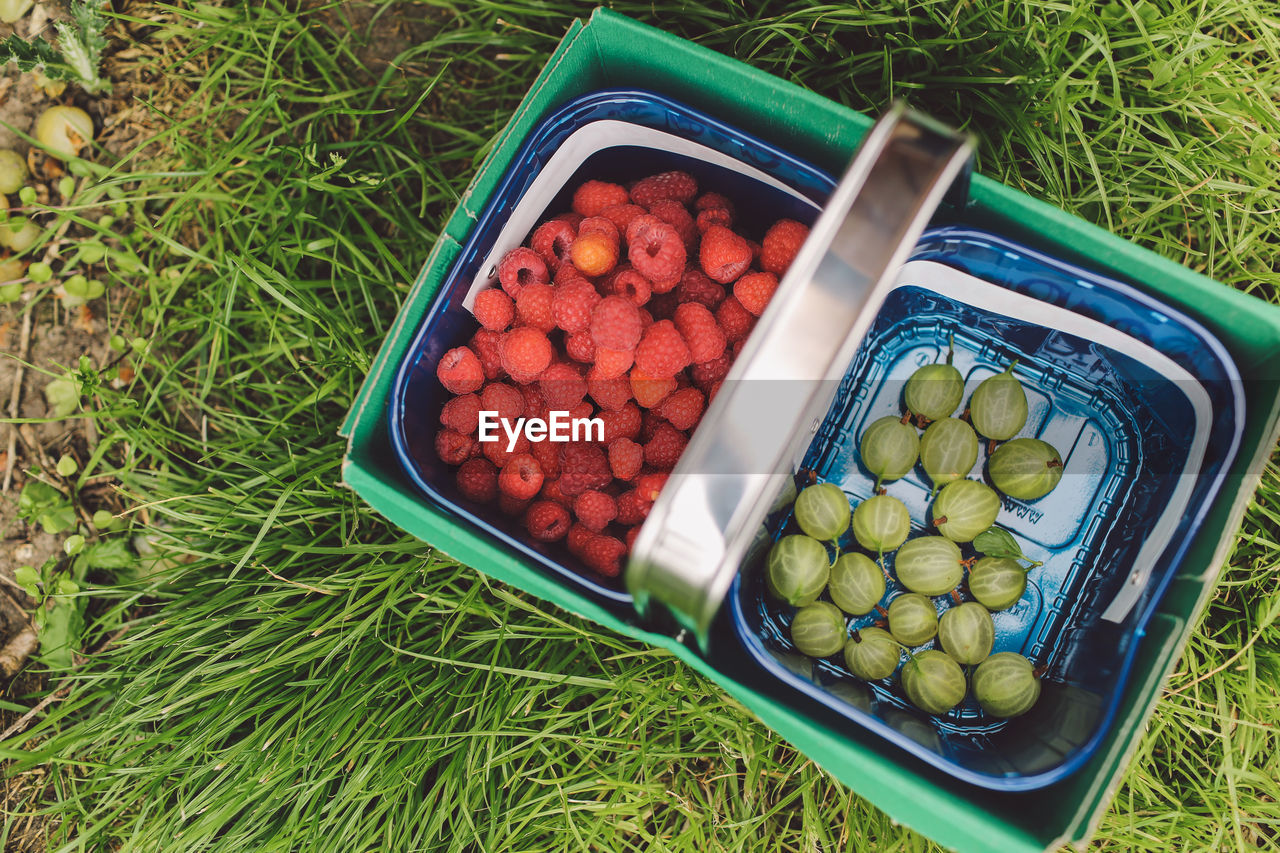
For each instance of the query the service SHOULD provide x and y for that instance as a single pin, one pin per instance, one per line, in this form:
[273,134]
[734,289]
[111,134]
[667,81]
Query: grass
[297,675]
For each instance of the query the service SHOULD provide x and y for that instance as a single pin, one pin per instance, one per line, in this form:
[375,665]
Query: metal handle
[759,425]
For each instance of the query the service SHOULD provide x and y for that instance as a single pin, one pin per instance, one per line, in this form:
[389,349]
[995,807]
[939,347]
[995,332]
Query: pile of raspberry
[631,308]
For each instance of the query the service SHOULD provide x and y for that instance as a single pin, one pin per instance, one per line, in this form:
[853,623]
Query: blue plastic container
[417,397]
[1137,425]
[1143,454]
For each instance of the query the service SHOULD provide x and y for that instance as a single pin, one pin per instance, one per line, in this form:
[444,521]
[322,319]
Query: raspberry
[711,371]
[625,458]
[674,214]
[711,217]
[595,510]
[496,451]
[594,196]
[610,394]
[551,491]
[577,538]
[521,267]
[666,285]
[460,371]
[574,219]
[477,480]
[582,410]
[649,391]
[700,331]
[723,255]
[713,201]
[566,273]
[551,241]
[610,364]
[630,538]
[781,243]
[494,309]
[521,477]
[662,352]
[735,321]
[649,485]
[525,352]
[484,343]
[602,225]
[679,186]
[633,509]
[503,398]
[580,347]
[622,214]
[454,448]
[615,324]
[622,423]
[533,307]
[656,251]
[639,224]
[630,285]
[604,554]
[754,290]
[573,303]
[547,521]
[548,455]
[696,287]
[583,466]
[563,386]
[534,402]
[683,408]
[594,254]
[462,414]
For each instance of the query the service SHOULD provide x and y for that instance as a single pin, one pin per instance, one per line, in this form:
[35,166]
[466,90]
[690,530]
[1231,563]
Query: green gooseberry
[1025,468]
[856,584]
[967,633]
[934,391]
[822,511]
[797,570]
[64,131]
[997,582]
[872,653]
[913,620]
[929,565]
[13,171]
[1006,685]
[964,509]
[933,682]
[998,407]
[818,629]
[948,450]
[881,523]
[889,448]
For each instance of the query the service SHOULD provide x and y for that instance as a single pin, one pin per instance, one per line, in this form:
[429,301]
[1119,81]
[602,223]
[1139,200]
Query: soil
[141,103]
[52,342]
